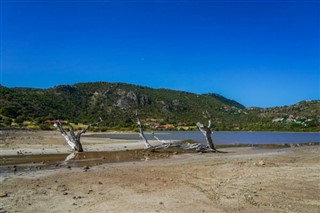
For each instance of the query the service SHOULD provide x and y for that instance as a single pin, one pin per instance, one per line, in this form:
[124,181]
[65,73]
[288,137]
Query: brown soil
[242,180]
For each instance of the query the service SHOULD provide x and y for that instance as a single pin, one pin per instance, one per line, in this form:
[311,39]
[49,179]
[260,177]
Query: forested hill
[116,103]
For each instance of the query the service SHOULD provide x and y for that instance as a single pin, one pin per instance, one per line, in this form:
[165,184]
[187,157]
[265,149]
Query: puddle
[24,163]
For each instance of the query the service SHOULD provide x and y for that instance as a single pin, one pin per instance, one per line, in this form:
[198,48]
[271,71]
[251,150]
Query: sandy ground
[51,142]
[243,180]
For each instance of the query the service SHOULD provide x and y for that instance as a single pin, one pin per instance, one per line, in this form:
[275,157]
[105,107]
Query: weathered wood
[206,131]
[188,146]
[161,141]
[141,133]
[69,140]
[74,139]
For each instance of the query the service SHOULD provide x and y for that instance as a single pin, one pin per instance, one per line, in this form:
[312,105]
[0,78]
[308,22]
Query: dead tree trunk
[188,146]
[206,131]
[141,133]
[74,139]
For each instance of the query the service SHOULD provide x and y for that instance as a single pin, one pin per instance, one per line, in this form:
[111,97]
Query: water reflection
[50,161]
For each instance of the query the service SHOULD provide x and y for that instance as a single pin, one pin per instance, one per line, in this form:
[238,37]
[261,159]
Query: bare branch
[74,139]
[206,131]
[206,115]
[59,127]
[141,133]
[90,125]
[209,124]
[161,141]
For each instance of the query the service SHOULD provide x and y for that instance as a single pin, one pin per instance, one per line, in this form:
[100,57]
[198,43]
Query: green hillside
[116,103]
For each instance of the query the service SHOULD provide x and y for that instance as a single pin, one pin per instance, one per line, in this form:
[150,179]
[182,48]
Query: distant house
[153,124]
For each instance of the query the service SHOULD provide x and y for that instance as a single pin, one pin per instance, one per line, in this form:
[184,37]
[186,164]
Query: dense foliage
[116,103]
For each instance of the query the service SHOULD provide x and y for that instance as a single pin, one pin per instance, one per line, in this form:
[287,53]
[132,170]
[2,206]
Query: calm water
[226,137]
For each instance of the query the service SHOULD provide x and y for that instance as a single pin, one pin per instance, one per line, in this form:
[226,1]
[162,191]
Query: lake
[224,137]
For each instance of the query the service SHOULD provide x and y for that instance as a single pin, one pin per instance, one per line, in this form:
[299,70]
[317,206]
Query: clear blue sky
[259,53]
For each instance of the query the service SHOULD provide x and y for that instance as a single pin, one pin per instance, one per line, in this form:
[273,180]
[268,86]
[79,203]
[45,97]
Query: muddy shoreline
[246,179]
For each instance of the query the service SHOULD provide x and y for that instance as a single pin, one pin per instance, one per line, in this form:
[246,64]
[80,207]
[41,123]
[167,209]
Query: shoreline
[51,142]
[246,179]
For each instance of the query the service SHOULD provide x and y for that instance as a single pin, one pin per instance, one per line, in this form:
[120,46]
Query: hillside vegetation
[116,103]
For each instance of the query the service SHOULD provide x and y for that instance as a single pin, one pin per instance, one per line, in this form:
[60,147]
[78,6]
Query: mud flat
[246,179]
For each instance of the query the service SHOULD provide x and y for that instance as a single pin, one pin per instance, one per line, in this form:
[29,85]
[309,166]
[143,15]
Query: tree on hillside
[74,139]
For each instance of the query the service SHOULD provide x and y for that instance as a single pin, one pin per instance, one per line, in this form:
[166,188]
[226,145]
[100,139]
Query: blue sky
[259,53]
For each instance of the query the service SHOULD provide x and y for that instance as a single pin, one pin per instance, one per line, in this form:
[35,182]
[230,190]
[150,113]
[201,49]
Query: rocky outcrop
[131,100]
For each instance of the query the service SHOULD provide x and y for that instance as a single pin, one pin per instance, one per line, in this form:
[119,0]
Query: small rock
[5,194]
[86,167]
[65,193]
[69,167]
[261,163]
[161,203]
[100,182]
[175,153]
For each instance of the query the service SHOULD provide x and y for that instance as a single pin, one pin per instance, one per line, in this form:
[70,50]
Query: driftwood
[74,139]
[141,133]
[206,131]
[188,146]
